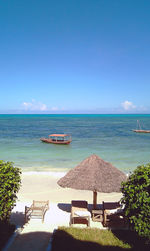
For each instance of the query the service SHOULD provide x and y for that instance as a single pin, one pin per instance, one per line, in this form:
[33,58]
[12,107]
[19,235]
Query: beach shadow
[18,218]
[117,222]
[65,242]
[67,207]
[31,241]
[130,237]
[6,231]
[98,207]
[64,207]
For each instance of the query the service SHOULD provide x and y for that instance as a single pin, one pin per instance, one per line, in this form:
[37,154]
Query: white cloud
[54,108]
[34,106]
[128,105]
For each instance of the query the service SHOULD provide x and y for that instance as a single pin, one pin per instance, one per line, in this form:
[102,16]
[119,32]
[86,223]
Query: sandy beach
[43,186]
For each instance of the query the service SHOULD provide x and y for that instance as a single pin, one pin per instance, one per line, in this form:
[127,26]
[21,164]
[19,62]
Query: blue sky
[74,56]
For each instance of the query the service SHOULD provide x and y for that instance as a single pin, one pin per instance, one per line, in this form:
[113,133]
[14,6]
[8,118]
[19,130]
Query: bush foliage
[10,182]
[136,196]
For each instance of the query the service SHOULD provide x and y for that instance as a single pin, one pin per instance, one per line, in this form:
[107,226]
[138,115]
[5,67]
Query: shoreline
[48,173]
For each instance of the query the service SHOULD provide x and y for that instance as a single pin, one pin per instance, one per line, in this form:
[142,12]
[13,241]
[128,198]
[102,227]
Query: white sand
[43,186]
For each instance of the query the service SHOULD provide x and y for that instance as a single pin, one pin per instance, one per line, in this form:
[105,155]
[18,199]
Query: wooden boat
[139,129]
[142,131]
[61,139]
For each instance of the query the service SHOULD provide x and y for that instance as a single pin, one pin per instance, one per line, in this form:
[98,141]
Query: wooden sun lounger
[36,210]
[111,209]
[79,212]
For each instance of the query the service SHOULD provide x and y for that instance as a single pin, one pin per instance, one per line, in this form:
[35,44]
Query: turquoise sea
[109,136]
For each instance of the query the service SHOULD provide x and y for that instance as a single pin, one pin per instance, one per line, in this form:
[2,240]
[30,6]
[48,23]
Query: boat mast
[138,125]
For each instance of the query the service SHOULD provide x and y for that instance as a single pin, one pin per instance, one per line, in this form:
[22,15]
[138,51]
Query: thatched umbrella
[94,174]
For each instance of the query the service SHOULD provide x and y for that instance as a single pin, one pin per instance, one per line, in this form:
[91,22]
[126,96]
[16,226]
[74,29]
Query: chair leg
[43,215]
[70,223]
[88,222]
[104,218]
[25,217]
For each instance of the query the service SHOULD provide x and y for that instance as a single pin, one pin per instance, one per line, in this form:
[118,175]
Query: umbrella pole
[94,199]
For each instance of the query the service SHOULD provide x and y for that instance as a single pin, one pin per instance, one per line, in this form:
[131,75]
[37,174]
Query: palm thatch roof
[94,174]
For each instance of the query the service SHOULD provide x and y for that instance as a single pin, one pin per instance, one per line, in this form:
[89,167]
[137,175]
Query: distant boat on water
[139,129]
[60,139]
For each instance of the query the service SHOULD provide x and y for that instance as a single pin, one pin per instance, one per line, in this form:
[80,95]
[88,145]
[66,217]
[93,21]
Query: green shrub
[136,196]
[10,182]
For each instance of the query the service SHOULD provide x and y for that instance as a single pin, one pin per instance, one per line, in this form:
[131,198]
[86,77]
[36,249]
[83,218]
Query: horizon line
[74,113]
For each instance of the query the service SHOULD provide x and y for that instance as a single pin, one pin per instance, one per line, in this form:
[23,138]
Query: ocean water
[109,136]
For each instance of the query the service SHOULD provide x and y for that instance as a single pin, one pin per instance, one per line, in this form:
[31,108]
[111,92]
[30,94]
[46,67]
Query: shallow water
[109,136]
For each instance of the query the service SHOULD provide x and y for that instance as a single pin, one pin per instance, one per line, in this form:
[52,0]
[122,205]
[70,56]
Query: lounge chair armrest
[28,209]
[47,206]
